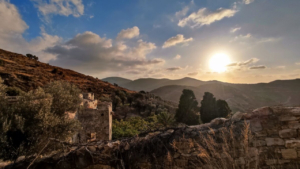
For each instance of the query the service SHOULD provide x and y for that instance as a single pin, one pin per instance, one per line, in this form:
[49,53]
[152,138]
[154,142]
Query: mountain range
[240,97]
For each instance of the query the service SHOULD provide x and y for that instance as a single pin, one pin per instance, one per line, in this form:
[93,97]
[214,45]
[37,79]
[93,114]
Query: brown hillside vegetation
[27,74]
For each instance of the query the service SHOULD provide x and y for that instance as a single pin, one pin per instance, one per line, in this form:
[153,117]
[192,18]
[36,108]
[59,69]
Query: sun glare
[218,62]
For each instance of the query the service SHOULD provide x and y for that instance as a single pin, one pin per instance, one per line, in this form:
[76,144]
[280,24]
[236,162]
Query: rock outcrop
[265,138]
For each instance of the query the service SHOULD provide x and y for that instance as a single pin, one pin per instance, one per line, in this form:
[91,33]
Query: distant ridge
[117,80]
[148,84]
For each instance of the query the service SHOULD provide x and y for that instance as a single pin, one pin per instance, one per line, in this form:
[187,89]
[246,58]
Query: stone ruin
[265,138]
[95,118]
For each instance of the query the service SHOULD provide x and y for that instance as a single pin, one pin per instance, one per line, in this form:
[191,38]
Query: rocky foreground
[265,138]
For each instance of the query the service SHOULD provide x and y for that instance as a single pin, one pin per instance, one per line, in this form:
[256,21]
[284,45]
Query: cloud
[177,57]
[258,67]
[183,12]
[298,63]
[235,29]
[193,74]
[176,40]
[280,67]
[12,28]
[90,53]
[59,7]
[268,40]
[248,1]
[206,17]
[173,68]
[91,16]
[250,61]
[129,33]
[247,62]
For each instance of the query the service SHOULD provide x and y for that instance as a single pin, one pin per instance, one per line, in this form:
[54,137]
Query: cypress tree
[187,111]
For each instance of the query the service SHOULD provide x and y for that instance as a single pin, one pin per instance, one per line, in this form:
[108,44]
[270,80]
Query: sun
[218,62]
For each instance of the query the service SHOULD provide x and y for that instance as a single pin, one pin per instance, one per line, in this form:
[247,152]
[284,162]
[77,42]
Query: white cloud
[129,33]
[298,63]
[177,57]
[206,17]
[90,53]
[248,1]
[11,29]
[176,40]
[91,16]
[59,7]
[11,21]
[235,29]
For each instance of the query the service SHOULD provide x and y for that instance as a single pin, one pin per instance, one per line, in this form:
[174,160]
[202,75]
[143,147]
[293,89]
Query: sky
[158,39]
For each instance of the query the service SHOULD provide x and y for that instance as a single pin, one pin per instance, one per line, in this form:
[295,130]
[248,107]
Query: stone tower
[95,119]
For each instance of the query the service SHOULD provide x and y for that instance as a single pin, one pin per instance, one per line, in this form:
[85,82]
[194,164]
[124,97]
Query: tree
[187,111]
[122,96]
[212,108]
[65,96]
[28,123]
[130,99]
[165,119]
[30,56]
[115,101]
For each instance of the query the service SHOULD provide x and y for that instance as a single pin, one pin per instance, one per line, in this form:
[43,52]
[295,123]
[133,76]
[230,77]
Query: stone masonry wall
[264,138]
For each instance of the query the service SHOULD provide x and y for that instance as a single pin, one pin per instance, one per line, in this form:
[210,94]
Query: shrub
[13,91]
[2,63]
[165,119]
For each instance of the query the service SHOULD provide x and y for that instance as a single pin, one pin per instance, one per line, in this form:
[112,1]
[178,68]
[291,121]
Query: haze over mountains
[240,97]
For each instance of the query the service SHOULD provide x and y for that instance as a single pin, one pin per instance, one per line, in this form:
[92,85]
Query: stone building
[95,118]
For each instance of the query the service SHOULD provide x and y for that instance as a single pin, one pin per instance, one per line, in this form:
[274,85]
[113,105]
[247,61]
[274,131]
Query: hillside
[27,74]
[241,97]
[148,84]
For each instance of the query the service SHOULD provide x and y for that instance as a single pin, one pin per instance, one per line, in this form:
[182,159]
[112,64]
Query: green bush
[131,127]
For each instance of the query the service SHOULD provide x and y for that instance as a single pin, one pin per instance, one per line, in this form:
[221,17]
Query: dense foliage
[188,111]
[29,122]
[212,108]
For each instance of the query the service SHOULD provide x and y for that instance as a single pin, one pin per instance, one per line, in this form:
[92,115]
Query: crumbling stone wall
[265,138]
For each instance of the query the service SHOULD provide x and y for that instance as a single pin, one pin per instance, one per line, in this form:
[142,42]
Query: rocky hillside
[27,74]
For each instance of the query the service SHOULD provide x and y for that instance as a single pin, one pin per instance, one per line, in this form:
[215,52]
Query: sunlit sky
[159,39]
